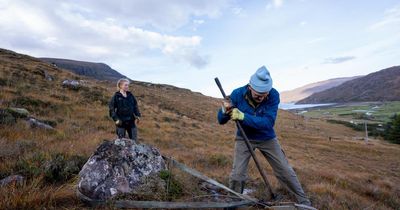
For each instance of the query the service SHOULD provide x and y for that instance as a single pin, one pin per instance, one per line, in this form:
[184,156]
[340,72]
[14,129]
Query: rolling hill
[98,71]
[297,94]
[337,174]
[383,85]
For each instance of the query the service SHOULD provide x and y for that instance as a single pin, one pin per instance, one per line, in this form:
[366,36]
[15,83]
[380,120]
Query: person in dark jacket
[124,111]
[255,106]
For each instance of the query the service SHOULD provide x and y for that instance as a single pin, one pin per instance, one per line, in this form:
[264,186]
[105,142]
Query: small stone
[34,123]
[12,180]
[47,76]
[71,84]
[119,142]
[18,112]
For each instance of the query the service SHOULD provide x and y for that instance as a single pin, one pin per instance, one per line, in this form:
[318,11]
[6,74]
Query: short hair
[120,81]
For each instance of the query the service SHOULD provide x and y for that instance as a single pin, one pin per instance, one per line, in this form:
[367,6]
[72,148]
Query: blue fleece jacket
[258,123]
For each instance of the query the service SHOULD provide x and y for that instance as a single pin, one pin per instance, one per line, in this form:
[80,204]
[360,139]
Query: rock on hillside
[121,167]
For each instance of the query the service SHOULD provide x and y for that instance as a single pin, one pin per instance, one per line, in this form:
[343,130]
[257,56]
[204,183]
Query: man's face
[258,97]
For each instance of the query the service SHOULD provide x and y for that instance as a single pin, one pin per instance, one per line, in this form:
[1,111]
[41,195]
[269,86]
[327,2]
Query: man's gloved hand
[118,122]
[236,114]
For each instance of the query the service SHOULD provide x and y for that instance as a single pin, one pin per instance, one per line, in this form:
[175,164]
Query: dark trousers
[129,127]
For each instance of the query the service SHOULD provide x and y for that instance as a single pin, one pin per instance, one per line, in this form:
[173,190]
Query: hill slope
[98,71]
[337,174]
[383,85]
[307,90]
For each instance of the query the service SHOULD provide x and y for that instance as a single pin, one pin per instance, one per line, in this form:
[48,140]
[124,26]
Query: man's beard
[250,96]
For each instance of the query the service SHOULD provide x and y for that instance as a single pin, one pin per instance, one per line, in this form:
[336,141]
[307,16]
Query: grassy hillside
[383,85]
[371,112]
[337,174]
[297,94]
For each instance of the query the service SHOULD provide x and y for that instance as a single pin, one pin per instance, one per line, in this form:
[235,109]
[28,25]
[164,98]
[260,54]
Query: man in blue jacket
[256,106]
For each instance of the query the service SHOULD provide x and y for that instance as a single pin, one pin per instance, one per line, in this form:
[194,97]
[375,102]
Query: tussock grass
[337,174]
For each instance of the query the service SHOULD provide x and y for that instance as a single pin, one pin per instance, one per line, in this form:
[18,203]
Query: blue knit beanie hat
[261,81]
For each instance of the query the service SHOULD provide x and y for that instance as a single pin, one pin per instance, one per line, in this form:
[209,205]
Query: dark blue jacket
[258,123]
[123,108]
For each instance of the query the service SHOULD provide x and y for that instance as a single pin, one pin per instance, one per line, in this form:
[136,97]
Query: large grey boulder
[119,167]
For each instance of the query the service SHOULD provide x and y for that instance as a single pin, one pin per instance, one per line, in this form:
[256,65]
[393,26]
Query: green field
[371,112]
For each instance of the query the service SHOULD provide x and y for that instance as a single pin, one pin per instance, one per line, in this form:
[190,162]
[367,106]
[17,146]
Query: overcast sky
[189,42]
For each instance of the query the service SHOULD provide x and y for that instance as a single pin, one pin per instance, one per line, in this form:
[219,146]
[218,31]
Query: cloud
[197,60]
[197,23]
[275,4]
[391,18]
[336,60]
[237,10]
[104,30]
[278,3]
[166,15]
[317,40]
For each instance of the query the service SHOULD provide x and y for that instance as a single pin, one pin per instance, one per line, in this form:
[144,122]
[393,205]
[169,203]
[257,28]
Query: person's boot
[237,186]
[305,205]
[242,184]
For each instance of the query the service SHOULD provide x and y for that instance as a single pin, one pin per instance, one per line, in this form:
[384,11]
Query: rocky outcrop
[119,167]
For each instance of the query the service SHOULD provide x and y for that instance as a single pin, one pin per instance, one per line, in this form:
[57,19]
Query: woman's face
[125,86]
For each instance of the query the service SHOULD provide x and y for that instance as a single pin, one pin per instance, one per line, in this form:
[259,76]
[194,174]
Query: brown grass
[337,174]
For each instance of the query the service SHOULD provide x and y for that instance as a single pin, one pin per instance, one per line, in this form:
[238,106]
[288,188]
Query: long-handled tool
[249,147]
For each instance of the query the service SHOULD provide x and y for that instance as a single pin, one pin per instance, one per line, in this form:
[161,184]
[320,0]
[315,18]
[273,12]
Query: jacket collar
[246,96]
[127,93]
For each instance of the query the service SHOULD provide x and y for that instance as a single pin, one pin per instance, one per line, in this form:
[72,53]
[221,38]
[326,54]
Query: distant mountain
[383,85]
[307,90]
[98,71]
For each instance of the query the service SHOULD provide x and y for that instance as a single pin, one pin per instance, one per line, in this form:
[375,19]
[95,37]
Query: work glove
[118,122]
[236,114]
